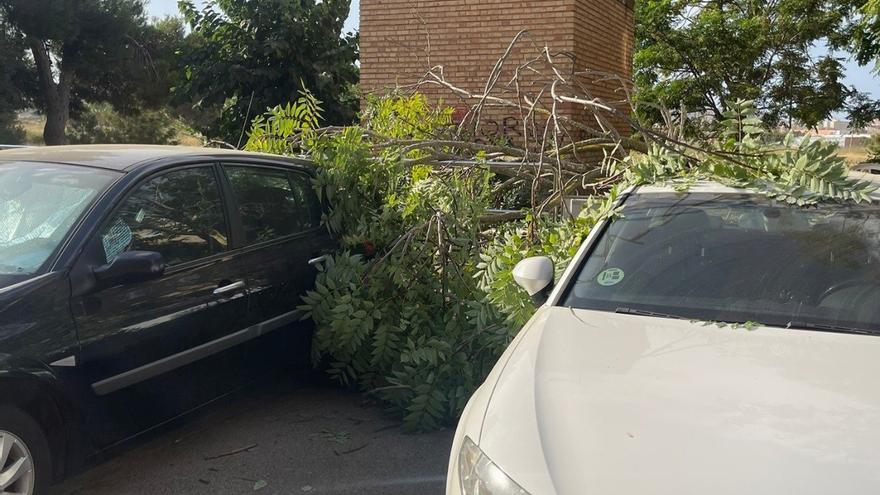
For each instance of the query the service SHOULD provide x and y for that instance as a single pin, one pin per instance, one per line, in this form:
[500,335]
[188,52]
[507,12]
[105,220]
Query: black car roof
[125,157]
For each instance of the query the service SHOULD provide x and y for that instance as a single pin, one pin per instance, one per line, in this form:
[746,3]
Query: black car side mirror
[130,267]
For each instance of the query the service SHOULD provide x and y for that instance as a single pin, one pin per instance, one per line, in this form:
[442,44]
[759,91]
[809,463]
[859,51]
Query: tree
[79,50]
[863,111]
[703,55]
[866,46]
[250,56]
[142,78]
[866,36]
[13,71]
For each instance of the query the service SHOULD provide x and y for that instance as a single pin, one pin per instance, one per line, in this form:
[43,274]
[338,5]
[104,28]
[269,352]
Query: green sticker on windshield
[611,276]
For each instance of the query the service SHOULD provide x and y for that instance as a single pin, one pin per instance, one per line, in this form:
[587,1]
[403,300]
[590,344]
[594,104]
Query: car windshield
[737,258]
[39,203]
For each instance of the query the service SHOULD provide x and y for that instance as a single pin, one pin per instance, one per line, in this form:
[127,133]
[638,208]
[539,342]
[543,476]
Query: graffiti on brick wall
[494,129]
[506,129]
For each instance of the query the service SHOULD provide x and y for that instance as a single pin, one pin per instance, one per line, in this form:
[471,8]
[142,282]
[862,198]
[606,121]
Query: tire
[28,432]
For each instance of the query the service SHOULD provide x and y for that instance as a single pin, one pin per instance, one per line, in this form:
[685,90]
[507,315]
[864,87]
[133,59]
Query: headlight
[480,476]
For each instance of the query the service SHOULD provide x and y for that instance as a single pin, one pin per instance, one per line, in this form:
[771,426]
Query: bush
[99,123]
[874,149]
[10,130]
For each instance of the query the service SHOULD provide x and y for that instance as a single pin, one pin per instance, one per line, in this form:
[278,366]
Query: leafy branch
[420,301]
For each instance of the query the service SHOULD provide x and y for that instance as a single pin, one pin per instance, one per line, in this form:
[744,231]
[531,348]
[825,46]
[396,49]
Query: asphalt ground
[294,434]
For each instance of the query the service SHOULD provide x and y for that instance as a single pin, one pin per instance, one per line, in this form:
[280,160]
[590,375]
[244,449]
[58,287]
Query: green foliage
[99,123]
[420,302]
[813,172]
[11,131]
[144,74]
[800,174]
[88,34]
[874,149]
[406,117]
[13,88]
[277,131]
[863,111]
[558,240]
[252,55]
[866,38]
[702,56]
[400,312]
[58,55]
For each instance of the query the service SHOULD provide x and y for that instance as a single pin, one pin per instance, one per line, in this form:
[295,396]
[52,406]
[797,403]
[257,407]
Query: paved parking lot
[291,436]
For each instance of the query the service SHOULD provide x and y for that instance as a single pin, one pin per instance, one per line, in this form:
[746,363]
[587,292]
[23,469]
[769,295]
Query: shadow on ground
[291,436]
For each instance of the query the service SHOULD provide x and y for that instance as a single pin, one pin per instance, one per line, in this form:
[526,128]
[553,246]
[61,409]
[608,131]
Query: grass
[854,155]
[33,128]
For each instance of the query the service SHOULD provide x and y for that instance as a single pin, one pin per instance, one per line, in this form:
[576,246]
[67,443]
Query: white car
[708,342]
[867,170]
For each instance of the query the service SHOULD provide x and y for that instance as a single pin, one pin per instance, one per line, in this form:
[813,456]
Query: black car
[137,283]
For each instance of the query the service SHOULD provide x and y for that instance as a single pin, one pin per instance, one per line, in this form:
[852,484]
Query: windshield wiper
[805,325]
[645,312]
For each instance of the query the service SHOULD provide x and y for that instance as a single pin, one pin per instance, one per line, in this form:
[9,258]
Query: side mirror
[535,275]
[130,267]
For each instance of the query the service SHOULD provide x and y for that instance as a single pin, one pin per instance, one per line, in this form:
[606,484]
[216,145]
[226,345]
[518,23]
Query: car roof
[125,157]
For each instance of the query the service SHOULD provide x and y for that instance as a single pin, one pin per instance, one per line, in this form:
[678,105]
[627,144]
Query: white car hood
[595,402]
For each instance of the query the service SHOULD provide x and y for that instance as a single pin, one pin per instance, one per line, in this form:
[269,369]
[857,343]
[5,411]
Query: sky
[860,77]
[161,8]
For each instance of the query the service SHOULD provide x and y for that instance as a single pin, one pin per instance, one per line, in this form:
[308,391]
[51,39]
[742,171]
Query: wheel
[25,461]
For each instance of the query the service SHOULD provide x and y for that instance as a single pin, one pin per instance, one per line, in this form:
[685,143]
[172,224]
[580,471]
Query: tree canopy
[13,74]
[702,55]
[866,38]
[85,50]
[250,56]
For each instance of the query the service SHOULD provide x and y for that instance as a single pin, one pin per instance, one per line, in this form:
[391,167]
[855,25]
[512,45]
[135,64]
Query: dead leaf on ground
[339,437]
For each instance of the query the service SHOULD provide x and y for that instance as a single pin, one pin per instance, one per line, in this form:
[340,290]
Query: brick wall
[401,39]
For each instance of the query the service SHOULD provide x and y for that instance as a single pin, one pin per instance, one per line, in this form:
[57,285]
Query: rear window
[737,257]
[272,203]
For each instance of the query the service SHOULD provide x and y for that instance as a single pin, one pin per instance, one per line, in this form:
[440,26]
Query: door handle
[315,261]
[226,289]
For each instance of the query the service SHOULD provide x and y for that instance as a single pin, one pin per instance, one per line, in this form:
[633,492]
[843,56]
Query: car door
[131,334]
[280,217]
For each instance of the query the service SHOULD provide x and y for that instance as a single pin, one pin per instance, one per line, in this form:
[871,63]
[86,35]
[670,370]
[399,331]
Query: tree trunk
[55,95]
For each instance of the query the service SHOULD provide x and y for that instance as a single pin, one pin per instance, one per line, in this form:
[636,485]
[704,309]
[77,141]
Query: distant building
[839,132]
[401,39]
[834,126]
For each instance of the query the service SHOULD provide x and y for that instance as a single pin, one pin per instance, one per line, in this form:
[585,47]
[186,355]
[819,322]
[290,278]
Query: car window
[272,203]
[178,214]
[302,189]
[734,257]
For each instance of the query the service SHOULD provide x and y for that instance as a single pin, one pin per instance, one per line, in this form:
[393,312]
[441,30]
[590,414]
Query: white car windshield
[39,204]
[737,258]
